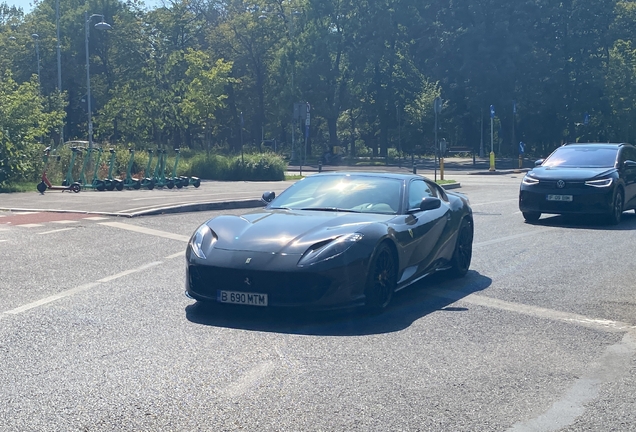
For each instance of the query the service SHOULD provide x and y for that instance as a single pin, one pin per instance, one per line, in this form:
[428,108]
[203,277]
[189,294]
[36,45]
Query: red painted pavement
[11,218]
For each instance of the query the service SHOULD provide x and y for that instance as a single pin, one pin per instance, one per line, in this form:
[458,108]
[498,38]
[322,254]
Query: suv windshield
[582,157]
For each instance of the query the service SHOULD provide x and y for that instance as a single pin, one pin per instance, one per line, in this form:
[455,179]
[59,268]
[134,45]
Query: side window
[629,154]
[438,191]
[418,189]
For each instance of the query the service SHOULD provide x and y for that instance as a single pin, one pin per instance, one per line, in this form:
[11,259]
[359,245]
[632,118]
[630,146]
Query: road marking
[177,255]
[613,365]
[25,213]
[65,221]
[494,202]
[150,231]
[96,218]
[56,231]
[30,225]
[535,311]
[3,241]
[76,290]
[250,379]
[512,237]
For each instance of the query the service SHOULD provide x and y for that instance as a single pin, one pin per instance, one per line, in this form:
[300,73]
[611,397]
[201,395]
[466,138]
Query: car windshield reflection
[345,193]
[582,157]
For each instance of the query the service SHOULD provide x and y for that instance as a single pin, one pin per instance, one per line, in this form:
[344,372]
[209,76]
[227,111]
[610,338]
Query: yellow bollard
[441,168]
[492,161]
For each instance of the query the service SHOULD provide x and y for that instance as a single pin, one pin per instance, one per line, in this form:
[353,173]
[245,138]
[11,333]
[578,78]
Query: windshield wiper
[334,209]
[279,208]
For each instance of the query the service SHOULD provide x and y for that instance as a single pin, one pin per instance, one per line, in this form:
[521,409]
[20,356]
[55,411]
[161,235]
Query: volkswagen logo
[247,281]
[560,184]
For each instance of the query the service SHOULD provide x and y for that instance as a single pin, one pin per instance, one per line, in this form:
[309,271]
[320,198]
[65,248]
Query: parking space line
[56,231]
[30,225]
[493,202]
[177,255]
[149,231]
[512,237]
[65,221]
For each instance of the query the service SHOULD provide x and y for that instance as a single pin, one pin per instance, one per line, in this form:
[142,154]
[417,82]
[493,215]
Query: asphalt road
[96,334]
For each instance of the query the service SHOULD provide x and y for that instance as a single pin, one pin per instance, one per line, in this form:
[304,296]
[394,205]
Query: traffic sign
[492,111]
[437,105]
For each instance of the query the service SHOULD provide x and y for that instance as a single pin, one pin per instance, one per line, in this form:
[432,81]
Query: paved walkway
[212,195]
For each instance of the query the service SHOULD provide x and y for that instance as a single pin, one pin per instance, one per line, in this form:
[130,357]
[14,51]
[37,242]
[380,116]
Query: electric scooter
[111,183]
[131,182]
[45,184]
[95,183]
[182,181]
[148,182]
[160,171]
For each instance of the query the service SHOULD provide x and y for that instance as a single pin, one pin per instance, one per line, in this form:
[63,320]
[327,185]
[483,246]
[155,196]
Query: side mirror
[428,203]
[538,162]
[268,197]
[629,164]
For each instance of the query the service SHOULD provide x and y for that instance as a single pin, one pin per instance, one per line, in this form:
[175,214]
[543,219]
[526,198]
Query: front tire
[381,280]
[614,217]
[463,253]
[41,187]
[531,216]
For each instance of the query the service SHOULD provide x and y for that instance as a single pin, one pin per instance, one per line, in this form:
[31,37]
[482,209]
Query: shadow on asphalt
[597,222]
[407,307]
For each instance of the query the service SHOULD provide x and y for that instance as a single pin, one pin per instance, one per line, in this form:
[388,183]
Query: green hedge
[254,167]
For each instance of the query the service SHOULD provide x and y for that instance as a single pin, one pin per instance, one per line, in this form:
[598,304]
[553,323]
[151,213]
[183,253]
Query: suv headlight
[527,180]
[600,183]
[331,249]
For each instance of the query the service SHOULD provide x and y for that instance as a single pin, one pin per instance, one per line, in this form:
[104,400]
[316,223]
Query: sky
[27,5]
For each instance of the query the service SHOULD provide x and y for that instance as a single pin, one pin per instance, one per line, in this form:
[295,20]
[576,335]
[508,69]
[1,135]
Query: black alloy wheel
[463,252]
[381,281]
[531,216]
[617,208]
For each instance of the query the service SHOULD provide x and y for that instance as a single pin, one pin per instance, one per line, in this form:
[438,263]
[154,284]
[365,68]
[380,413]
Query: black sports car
[332,240]
[590,178]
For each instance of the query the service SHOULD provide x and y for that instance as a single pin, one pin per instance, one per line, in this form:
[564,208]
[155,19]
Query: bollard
[441,168]
[492,161]
[414,168]
[319,166]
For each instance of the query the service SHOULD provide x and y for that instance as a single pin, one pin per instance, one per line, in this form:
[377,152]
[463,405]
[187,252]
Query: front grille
[550,184]
[281,287]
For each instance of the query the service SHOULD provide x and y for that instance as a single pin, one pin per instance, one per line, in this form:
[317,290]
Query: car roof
[397,176]
[597,144]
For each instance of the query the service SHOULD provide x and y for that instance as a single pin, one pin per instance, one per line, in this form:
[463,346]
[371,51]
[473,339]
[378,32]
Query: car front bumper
[585,200]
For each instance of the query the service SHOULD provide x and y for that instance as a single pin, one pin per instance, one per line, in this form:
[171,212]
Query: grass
[294,177]
[443,182]
[19,187]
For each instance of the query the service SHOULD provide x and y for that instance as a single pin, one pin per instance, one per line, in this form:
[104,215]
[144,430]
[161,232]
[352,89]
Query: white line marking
[75,290]
[64,221]
[512,237]
[149,231]
[536,311]
[127,272]
[25,213]
[30,225]
[177,255]
[250,379]
[95,218]
[3,241]
[56,231]
[493,202]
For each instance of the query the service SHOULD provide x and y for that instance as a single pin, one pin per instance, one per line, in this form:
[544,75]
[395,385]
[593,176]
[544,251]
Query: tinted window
[418,189]
[583,157]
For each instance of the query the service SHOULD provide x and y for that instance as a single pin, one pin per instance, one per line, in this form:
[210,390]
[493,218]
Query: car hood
[286,231]
[559,173]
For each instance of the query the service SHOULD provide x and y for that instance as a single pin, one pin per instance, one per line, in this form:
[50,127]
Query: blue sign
[306,131]
[242,121]
[492,111]
[522,147]
[586,119]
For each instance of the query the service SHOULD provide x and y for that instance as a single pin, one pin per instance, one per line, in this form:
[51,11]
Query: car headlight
[527,180]
[600,183]
[329,250]
[201,239]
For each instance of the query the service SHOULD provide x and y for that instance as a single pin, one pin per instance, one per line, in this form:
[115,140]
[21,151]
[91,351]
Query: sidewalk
[212,195]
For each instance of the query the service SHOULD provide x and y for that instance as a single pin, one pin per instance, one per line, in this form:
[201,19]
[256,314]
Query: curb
[513,171]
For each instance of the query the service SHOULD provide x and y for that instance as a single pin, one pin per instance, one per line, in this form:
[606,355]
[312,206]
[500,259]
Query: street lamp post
[36,38]
[99,26]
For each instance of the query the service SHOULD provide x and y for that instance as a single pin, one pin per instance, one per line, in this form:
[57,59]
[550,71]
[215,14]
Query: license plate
[242,298]
[559,198]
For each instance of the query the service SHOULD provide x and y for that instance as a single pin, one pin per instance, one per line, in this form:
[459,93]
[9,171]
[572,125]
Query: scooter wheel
[178,184]
[100,186]
[196,183]
[119,186]
[151,185]
[170,184]
[137,185]
[41,187]
[75,187]
[110,185]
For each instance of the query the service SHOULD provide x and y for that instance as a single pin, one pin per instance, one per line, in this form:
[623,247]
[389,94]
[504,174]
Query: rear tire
[41,187]
[75,187]
[119,185]
[463,253]
[381,280]
[531,216]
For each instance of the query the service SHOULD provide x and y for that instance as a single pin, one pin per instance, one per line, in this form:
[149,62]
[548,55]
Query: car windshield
[582,157]
[350,193]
